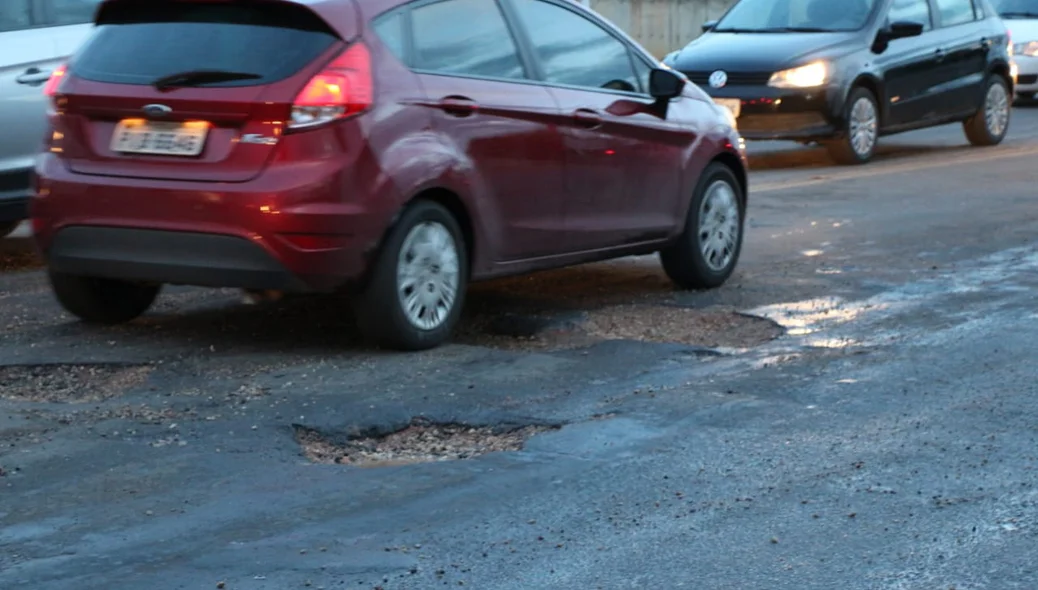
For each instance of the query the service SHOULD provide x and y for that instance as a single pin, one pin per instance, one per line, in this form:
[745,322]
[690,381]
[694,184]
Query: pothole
[70,383]
[710,328]
[421,441]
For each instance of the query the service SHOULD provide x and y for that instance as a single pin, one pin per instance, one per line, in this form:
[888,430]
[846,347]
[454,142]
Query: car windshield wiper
[1018,14]
[200,77]
[734,30]
[795,30]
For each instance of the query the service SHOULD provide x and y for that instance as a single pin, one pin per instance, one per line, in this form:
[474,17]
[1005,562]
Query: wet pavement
[855,409]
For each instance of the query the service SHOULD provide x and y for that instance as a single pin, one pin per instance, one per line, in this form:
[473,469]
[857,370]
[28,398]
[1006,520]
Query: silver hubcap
[863,126]
[427,275]
[996,110]
[719,225]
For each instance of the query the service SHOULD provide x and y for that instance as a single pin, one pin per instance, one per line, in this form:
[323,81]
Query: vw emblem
[718,79]
[156,110]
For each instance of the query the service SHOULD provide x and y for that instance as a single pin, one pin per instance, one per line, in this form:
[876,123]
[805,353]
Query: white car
[35,37]
[1021,18]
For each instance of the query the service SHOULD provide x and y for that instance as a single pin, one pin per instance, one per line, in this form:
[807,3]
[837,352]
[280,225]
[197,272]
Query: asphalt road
[886,440]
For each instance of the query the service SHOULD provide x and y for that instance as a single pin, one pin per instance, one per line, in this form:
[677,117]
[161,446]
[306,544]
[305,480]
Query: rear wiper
[200,77]
[1018,14]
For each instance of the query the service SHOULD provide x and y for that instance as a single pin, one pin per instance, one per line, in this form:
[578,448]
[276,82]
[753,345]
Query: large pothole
[70,383]
[421,441]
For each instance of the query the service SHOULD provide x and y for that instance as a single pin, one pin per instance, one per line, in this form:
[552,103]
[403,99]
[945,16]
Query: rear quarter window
[136,42]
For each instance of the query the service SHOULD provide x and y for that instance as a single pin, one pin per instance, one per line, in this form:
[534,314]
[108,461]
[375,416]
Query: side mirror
[708,25]
[665,84]
[902,29]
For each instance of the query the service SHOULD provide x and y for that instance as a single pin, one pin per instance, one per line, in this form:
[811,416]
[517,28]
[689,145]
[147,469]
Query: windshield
[1016,8]
[796,16]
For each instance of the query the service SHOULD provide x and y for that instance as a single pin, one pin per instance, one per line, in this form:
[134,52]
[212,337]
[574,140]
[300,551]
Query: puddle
[801,318]
[421,441]
[70,383]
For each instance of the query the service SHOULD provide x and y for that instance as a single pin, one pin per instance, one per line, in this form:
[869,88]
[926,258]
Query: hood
[755,52]
[1023,30]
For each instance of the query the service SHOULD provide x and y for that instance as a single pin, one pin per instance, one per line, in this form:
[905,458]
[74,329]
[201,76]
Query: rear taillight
[56,77]
[341,89]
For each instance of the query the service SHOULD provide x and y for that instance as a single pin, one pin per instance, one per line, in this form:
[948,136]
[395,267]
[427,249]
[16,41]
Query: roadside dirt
[69,383]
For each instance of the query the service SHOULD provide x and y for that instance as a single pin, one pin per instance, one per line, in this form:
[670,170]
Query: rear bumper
[773,113]
[169,257]
[292,229]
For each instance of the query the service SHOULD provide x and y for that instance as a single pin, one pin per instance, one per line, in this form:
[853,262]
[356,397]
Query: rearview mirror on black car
[665,84]
[896,30]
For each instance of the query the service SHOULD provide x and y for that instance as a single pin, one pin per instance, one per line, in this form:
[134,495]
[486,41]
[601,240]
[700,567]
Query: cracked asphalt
[887,439]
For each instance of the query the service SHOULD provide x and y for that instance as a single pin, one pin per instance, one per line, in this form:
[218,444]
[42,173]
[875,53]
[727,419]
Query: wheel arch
[736,164]
[453,203]
[875,86]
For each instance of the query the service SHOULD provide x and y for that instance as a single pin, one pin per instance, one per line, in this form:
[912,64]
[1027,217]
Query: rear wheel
[414,296]
[102,301]
[857,142]
[988,126]
[705,254]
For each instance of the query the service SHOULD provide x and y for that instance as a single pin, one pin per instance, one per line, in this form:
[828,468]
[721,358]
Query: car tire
[8,228]
[707,251]
[407,302]
[102,301]
[988,126]
[860,134]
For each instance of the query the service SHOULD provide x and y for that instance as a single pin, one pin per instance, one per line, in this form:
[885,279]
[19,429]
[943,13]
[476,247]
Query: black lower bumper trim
[182,258]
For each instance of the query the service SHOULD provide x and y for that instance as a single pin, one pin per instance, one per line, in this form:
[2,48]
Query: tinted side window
[390,29]
[917,11]
[467,37]
[575,51]
[15,15]
[72,12]
[955,12]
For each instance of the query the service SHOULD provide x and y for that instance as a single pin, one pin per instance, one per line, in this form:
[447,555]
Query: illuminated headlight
[1030,49]
[808,76]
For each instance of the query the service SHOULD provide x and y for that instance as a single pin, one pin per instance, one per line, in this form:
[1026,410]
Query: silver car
[35,37]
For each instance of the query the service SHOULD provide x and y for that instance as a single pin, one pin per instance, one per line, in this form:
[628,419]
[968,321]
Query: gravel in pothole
[711,327]
[69,383]
[420,442]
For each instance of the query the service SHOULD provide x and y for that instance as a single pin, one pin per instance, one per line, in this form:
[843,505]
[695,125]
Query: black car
[844,72]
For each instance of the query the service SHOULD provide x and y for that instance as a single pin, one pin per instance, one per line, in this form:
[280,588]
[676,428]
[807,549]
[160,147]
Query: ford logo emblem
[156,110]
[718,79]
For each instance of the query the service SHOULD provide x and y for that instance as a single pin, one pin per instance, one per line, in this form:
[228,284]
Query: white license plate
[732,104]
[137,136]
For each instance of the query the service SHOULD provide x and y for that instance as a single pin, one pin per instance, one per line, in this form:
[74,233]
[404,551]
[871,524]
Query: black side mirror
[902,29]
[708,25]
[665,84]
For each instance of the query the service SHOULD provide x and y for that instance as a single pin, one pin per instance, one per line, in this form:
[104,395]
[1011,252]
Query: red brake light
[341,89]
[51,87]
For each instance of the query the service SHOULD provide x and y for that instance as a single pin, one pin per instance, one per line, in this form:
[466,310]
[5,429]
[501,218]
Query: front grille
[1027,79]
[734,78]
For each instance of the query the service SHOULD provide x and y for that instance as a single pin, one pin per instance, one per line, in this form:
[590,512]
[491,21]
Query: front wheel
[857,142]
[416,289]
[705,254]
[988,126]
[102,301]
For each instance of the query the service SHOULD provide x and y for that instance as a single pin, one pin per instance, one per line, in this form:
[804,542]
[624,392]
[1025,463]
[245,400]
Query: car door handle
[33,77]
[587,118]
[939,53]
[458,106]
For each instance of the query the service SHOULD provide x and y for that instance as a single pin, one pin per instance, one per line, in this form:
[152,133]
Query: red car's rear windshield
[139,42]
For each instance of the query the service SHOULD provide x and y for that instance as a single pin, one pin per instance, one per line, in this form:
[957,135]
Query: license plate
[136,136]
[732,104]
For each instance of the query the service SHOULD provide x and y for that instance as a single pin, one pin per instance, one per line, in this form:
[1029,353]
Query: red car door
[485,106]
[624,164]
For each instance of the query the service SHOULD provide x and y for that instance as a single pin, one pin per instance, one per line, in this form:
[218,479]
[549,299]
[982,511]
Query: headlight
[809,76]
[1029,49]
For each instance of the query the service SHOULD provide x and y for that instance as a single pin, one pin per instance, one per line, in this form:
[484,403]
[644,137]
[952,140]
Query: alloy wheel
[719,225]
[428,276]
[996,110]
[863,127]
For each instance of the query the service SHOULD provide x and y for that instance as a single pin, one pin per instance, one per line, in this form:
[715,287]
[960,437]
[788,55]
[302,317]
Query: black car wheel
[857,141]
[988,126]
[102,301]
[414,296]
[705,254]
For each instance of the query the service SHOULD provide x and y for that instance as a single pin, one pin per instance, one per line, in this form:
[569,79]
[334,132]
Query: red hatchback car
[397,149]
